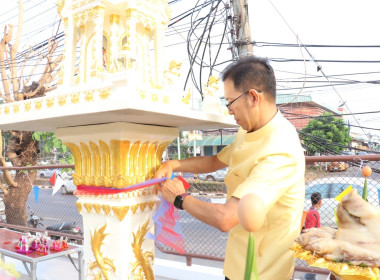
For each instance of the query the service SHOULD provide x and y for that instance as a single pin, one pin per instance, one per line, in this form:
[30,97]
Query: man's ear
[256,96]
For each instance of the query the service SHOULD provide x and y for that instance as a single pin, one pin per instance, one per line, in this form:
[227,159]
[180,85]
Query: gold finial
[186,98]
[60,5]
[114,19]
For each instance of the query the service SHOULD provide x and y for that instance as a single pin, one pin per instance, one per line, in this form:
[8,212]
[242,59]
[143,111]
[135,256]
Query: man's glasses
[229,104]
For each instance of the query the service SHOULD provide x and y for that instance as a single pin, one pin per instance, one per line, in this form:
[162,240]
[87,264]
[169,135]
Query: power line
[271,44]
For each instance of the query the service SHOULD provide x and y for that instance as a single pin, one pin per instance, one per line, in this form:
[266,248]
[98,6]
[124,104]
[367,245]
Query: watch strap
[178,201]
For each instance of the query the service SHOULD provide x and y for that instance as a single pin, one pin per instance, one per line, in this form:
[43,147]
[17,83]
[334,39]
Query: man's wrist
[178,201]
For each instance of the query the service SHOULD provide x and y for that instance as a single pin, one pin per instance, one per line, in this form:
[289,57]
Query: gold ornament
[105,266]
[142,267]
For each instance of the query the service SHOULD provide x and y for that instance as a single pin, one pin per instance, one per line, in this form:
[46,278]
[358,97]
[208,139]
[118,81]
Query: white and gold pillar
[98,43]
[115,41]
[109,156]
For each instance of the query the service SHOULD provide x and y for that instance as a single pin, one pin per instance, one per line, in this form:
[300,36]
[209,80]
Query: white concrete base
[180,271]
[62,269]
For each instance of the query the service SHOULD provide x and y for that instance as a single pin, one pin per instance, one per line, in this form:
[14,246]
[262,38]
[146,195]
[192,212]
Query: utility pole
[242,32]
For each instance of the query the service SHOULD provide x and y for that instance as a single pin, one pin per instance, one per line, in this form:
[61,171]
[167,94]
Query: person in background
[313,220]
[266,159]
[312,217]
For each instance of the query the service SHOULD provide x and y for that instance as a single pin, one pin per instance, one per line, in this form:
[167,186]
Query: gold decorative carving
[75,98]
[86,162]
[106,163]
[117,164]
[142,94]
[142,267]
[86,15]
[28,106]
[143,206]
[96,164]
[154,97]
[16,108]
[106,209]
[38,104]
[173,70]
[88,207]
[114,19]
[50,102]
[80,3]
[60,5]
[97,208]
[102,267]
[89,96]
[152,204]
[186,98]
[104,93]
[79,206]
[62,100]
[134,208]
[120,211]
[77,162]
[6,110]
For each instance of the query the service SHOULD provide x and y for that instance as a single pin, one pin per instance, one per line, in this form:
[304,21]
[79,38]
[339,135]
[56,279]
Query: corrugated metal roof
[292,98]
[214,140]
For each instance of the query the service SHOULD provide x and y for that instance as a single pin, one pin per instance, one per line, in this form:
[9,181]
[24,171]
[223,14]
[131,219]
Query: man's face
[238,106]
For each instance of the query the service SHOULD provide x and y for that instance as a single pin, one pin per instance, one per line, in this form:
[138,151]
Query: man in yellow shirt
[266,159]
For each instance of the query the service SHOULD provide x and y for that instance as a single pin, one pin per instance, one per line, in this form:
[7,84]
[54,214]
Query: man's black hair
[252,72]
[315,198]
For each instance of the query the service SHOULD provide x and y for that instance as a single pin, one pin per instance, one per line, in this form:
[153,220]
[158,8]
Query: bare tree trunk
[22,151]
[15,201]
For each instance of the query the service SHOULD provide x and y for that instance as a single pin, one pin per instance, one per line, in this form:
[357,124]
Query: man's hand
[171,188]
[165,170]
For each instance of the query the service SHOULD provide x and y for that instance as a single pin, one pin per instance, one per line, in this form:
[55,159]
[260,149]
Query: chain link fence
[203,241]
[56,213]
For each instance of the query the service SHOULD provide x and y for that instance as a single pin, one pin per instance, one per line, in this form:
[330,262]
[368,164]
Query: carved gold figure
[102,267]
[142,267]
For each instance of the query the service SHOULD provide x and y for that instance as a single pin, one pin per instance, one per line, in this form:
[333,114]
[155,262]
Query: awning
[214,140]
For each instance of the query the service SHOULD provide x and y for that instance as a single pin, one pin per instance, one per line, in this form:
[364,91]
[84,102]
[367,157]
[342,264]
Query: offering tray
[343,271]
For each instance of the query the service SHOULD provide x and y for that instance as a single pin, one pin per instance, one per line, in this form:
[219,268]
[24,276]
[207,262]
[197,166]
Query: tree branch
[3,188]
[13,50]
[7,174]
[49,68]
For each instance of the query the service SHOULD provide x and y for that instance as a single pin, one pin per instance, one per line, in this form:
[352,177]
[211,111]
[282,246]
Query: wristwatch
[179,200]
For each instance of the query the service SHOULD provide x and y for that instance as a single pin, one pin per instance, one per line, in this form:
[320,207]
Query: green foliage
[326,134]
[183,146]
[53,145]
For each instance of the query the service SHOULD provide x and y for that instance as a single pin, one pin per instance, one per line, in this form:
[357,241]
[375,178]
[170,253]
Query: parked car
[68,186]
[330,187]
[337,166]
[217,175]
[47,173]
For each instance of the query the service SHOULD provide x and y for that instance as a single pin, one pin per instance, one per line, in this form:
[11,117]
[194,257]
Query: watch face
[178,202]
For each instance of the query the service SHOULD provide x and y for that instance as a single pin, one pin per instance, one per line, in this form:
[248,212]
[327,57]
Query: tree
[326,134]
[173,147]
[22,147]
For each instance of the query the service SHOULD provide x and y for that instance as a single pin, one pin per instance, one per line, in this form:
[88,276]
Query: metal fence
[203,241]
[56,213]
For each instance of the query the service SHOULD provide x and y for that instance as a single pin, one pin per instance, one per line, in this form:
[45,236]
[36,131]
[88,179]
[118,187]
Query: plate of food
[353,250]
